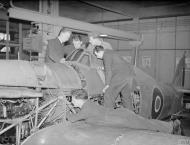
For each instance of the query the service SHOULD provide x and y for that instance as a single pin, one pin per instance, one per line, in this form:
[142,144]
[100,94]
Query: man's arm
[67,50]
[107,67]
[49,51]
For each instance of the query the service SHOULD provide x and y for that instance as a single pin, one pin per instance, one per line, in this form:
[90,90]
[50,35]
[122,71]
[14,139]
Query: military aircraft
[33,94]
[51,83]
[163,99]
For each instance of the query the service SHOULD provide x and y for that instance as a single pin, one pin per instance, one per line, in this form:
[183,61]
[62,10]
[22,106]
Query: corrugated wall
[165,40]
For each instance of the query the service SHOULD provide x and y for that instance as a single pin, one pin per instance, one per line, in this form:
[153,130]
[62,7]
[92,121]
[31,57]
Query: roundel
[157,103]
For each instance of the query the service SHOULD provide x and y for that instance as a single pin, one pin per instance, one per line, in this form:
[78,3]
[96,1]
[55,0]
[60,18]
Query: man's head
[79,97]
[94,38]
[77,41]
[99,51]
[64,35]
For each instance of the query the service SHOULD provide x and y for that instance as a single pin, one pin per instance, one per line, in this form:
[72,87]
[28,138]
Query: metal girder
[23,14]
[107,8]
[164,11]
[135,10]
[125,8]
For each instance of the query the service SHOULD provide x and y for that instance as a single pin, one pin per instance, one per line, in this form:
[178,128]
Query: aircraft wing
[91,134]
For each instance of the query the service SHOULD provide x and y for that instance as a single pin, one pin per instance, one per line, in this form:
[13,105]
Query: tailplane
[178,79]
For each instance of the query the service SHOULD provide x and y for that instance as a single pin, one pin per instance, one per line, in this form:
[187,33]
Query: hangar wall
[165,40]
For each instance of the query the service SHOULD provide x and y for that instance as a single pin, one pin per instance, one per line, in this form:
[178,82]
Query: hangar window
[9,39]
[85,60]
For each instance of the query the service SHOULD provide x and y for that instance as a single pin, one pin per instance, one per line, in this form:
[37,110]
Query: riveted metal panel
[17,73]
[66,76]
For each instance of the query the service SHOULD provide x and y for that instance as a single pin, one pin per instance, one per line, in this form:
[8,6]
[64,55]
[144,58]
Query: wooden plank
[19,93]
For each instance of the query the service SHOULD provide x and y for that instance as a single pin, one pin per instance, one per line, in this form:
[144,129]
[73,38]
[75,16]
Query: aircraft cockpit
[85,58]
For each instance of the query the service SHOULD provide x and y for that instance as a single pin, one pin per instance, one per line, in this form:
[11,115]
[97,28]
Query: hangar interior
[163,27]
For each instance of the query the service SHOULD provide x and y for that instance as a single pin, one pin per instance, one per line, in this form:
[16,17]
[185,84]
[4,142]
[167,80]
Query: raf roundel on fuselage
[157,103]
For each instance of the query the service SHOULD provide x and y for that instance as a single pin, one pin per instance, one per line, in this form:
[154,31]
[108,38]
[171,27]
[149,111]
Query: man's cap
[64,29]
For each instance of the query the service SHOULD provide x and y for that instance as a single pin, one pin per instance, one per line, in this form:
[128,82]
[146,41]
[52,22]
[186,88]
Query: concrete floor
[185,123]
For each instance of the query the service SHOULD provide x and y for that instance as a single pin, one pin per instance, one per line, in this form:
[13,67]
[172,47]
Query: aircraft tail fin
[179,76]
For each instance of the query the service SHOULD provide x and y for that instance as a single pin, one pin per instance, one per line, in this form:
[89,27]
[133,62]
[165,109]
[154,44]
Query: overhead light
[103,35]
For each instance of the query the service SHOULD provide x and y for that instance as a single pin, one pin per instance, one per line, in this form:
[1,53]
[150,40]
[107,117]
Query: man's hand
[105,88]
[62,60]
[100,68]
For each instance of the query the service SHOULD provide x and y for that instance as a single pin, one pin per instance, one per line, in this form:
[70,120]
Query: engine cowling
[36,74]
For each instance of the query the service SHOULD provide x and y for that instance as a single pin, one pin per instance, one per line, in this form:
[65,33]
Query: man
[95,39]
[118,73]
[93,113]
[56,49]
[77,42]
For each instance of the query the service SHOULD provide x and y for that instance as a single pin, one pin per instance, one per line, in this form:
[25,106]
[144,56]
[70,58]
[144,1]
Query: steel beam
[94,4]
[125,8]
[135,10]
